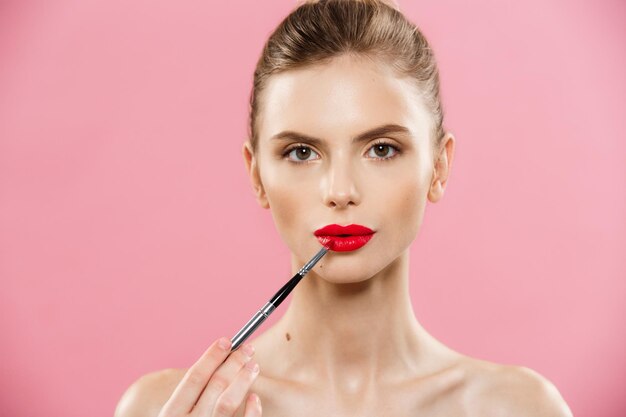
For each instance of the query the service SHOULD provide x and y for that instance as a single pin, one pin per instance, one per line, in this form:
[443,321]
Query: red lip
[344,238]
[337,230]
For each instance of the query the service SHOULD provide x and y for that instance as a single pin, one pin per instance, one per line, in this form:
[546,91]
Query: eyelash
[377,143]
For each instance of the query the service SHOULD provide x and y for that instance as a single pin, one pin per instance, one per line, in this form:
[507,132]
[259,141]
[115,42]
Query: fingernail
[248,350]
[257,400]
[224,343]
[253,366]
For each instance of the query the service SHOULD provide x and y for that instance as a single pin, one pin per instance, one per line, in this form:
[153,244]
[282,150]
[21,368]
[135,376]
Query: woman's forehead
[345,97]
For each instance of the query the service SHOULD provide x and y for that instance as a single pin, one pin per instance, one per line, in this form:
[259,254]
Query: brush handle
[274,302]
[291,284]
[265,311]
[252,325]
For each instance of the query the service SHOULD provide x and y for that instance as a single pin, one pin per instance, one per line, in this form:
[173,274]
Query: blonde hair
[317,31]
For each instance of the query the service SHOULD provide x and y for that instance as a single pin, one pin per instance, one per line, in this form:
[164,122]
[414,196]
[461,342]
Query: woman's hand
[217,384]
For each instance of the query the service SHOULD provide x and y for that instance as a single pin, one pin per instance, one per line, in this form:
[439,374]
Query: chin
[337,272]
[342,279]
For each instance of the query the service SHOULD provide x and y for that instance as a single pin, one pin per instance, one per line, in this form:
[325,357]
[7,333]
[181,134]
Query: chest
[425,399]
[399,407]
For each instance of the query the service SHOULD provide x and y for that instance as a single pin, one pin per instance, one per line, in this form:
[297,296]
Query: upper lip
[336,230]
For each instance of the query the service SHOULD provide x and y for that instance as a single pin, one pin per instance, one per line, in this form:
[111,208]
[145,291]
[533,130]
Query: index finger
[195,379]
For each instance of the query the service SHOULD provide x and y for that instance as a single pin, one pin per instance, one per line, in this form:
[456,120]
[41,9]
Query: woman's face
[381,181]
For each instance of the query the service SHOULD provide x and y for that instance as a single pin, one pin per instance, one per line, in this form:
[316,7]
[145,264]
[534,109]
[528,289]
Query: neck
[352,334]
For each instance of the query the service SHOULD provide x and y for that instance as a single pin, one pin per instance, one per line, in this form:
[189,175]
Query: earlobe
[436,190]
[441,169]
[253,173]
[261,197]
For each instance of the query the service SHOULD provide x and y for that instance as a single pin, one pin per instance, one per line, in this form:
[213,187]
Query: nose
[339,186]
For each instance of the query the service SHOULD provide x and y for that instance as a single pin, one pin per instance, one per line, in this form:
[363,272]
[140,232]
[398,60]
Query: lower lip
[345,243]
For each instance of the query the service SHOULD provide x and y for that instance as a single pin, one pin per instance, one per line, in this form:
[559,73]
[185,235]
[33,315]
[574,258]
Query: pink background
[124,199]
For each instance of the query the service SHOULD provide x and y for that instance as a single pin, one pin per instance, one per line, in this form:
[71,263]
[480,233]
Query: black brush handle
[265,311]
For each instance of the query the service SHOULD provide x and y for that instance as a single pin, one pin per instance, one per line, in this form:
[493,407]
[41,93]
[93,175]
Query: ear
[253,171]
[441,168]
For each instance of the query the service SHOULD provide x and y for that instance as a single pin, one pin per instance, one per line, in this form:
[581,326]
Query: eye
[300,153]
[382,150]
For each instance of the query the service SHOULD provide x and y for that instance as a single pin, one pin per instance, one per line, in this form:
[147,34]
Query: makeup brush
[265,311]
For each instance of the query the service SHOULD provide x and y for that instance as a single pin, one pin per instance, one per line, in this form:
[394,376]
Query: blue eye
[382,151]
[300,153]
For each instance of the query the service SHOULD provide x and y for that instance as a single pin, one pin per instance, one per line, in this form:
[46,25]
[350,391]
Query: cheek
[413,207]
[404,205]
[287,200]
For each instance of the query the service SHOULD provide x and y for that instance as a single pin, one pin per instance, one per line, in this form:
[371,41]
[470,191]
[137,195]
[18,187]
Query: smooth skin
[349,343]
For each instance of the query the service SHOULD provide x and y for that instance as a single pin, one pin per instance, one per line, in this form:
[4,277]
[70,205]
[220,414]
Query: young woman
[346,129]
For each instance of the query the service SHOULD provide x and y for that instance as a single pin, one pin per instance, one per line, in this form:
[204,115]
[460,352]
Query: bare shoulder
[510,390]
[146,396]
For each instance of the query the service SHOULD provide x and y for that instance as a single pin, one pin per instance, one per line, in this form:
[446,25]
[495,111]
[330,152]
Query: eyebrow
[365,136]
